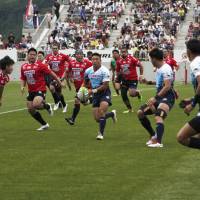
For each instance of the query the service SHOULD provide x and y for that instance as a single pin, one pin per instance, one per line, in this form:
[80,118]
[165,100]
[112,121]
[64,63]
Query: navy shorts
[169,99]
[32,95]
[77,89]
[55,84]
[195,123]
[99,97]
[132,84]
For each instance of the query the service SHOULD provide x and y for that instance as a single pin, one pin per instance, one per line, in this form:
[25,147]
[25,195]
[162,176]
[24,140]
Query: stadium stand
[152,25]
[194,26]
[87,25]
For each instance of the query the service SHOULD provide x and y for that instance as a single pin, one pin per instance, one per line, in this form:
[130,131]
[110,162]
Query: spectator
[23,43]
[57,9]
[1,42]
[152,24]
[49,18]
[29,38]
[11,40]
[88,25]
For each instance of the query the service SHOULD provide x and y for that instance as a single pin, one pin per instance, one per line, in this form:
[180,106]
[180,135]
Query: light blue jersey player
[164,73]
[162,103]
[98,76]
[188,135]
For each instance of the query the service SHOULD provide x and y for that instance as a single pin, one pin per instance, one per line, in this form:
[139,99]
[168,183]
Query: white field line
[21,109]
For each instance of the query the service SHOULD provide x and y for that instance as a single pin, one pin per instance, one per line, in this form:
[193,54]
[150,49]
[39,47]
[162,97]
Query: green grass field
[68,163]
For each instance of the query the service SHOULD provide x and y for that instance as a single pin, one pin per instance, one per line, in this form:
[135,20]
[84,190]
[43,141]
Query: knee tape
[161,113]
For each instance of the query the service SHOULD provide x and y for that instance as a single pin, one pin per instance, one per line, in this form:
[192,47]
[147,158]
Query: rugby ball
[83,94]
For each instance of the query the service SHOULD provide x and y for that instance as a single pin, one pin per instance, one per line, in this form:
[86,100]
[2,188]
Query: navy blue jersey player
[98,76]
[161,103]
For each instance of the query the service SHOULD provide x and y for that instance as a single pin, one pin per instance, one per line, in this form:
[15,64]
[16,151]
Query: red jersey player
[32,74]
[170,61]
[173,64]
[76,70]
[127,70]
[6,68]
[56,61]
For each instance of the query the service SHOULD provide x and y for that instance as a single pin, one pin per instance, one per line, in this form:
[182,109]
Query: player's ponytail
[6,61]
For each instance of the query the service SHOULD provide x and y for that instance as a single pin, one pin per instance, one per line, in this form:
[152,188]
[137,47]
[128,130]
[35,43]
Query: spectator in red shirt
[6,68]
[126,68]
[32,74]
[56,62]
[76,70]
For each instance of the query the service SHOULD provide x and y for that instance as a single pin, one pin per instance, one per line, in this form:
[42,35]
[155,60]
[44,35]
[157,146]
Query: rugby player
[6,68]
[126,68]
[188,135]
[171,61]
[76,70]
[56,61]
[98,76]
[32,74]
[116,83]
[161,103]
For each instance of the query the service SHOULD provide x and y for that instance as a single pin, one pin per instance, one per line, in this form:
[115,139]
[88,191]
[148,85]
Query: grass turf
[67,163]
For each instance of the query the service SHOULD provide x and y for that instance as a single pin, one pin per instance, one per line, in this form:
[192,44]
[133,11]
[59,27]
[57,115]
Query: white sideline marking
[12,111]
[21,109]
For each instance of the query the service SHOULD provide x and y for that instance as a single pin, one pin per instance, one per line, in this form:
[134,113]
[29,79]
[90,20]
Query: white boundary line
[12,111]
[21,109]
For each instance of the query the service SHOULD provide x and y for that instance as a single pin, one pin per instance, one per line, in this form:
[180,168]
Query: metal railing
[65,2]
[40,29]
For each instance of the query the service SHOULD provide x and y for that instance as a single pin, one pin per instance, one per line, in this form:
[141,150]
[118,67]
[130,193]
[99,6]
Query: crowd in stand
[88,24]
[194,27]
[152,25]
[11,43]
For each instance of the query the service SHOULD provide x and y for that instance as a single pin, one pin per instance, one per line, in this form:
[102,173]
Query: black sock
[46,106]
[128,104]
[194,143]
[108,115]
[159,131]
[138,94]
[62,100]
[37,116]
[147,125]
[56,97]
[75,111]
[90,99]
[117,91]
[125,98]
[102,124]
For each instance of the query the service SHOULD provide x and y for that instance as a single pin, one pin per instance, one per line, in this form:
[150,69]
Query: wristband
[157,97]
[195,100]
[94,91]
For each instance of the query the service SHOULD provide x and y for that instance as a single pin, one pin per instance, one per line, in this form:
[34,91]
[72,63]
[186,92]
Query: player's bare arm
[102,88]
[163,91]
[141,71]
[23,85]
[56,78]
[191,106]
